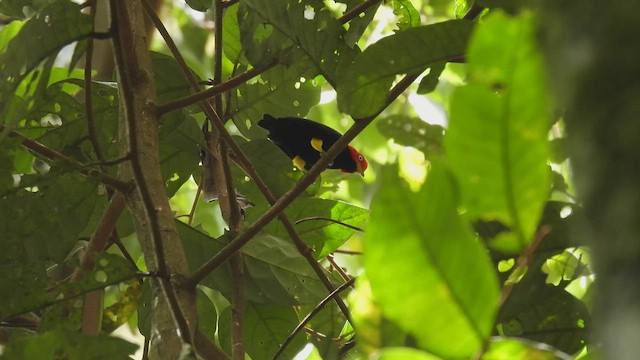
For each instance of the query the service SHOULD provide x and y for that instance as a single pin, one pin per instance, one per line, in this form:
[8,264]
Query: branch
[356,11]
[38,148]
[215,90]
[88,94]
[310,316]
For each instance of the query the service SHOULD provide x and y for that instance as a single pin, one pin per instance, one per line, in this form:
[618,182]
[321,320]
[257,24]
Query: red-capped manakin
[305,140]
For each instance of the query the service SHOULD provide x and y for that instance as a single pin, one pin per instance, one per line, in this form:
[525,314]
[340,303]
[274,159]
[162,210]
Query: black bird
[305,140]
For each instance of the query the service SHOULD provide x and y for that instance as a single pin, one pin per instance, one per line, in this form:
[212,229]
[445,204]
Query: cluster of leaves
[434,259]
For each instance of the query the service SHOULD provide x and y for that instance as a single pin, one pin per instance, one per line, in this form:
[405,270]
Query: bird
[304,141]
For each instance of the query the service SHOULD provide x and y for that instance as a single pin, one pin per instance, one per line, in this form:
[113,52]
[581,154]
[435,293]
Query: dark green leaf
[430,81]
[199,5]
[363,89]
[546,314]
[268,27]
[410,131]
[42,36]
[421,233]
[275,271]
[70,345]
[23,8]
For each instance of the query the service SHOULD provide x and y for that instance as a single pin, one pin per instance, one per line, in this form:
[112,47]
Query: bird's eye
[360,158]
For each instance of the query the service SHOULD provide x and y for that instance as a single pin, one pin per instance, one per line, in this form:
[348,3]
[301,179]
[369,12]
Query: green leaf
[207,314]
[430,81]
[45,224]
[323,236]
[360,24]
[411,131]
[399,353]
[69,345]
[363,89]
[42,36]
[408,15]
[546,314]
[266,328]
[274,270]
[497,138]
[23,8]
[450,307]
[231,44]
[520,349]
[462,7]
[199,5]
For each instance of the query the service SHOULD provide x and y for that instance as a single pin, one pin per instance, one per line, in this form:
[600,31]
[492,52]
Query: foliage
[476,260]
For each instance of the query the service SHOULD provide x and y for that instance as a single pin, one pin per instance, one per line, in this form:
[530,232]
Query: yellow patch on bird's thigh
[299,162]
[317,144]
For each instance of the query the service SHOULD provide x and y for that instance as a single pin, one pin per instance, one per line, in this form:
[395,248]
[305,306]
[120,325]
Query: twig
[524,260]
[215,90]
[88,93]
[337,267]
[100,237]
[314,218]
[348,252]
[310,316]
[356,11]
[40,149]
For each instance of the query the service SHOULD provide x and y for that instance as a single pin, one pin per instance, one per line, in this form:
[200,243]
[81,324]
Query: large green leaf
[427,272]
[497,138]
[362,91]
[266,328]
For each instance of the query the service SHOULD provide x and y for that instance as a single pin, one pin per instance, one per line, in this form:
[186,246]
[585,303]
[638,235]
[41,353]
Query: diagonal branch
[42,150]
[281,204]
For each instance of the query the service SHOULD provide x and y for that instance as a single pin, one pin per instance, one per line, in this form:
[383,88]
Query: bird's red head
[361,162]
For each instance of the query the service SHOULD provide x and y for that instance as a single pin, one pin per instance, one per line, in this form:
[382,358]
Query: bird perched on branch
[304,141]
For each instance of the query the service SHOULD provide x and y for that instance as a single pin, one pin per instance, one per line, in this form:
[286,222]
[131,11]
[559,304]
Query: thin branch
[100,237]
[51,154]
[88,93]
[310,316]
[337,267]
[524,260]
[215,90]
[356,11]
[316,218]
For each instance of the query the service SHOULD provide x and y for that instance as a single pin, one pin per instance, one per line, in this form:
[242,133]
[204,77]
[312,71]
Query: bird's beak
[361,173]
